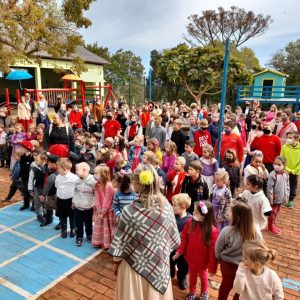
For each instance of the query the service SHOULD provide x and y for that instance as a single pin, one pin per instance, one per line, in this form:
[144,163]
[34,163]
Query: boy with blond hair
[180,202]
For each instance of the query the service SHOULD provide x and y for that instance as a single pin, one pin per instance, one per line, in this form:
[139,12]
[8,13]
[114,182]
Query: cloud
[141,26]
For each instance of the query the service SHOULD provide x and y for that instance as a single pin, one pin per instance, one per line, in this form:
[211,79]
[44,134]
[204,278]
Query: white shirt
[2,138]
[65,185]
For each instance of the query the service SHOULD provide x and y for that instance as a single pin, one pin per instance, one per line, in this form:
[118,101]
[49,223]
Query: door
[267,88]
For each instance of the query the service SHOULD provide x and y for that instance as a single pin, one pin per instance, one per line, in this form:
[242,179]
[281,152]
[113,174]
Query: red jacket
[111,128]
[171,175]
[145,118]
[231,141]
[195,252]
[270,146]
[75,117]
[297,123]
[201,138]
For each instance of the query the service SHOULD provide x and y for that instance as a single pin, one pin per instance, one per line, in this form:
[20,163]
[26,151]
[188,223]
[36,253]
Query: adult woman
[42,111]
[97,111]
[24,113]
[58,137]
[149,223]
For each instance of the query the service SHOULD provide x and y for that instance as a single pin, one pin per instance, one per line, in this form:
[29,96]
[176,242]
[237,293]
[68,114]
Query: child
[242,127]
[147,154]
[153,160]
[175,178]
[232,166]
[122,165]
[79,147]
[291,152]
[189,154]
[194,184]
[48,197]
[83,202]
[256,167]
[180,203]
[120,147]
[221,198]
[209,164]
[25,162]
[40,128]
[3,146]
[65,185]
[229,244]
[15,140]
[202,137]
[257,200]
[104,217]
[253,279]
[178,137]
[36,182]
[124,194]
[153,145]
[30,134]
[198,240]
[136,152]
[16,183]
[11,132]
[169,156]
[278,191]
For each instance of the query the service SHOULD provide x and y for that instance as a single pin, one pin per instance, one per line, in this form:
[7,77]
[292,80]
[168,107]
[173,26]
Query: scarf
[145,239]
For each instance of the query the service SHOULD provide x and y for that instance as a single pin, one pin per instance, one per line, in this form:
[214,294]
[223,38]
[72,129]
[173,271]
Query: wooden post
[82,91]
[7,100]
[18,96]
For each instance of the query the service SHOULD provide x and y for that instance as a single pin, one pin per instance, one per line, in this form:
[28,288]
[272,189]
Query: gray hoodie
[83,198]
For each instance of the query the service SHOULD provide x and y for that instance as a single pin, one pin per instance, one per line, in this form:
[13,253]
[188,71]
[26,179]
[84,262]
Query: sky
[141,26]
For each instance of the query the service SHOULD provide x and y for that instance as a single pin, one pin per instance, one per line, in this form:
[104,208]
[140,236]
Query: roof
[86,55]
[271,71]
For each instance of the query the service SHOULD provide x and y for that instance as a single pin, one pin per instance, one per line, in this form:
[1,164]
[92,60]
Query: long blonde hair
[150,195]
[104,172]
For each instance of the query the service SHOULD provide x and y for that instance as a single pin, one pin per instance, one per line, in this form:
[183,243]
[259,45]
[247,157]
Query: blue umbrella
[18,75]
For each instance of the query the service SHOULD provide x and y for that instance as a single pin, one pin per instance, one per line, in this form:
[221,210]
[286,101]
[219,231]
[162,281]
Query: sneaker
[89,239]
[182,284]
[190,296]
[72,232]
[79,242]
[291,204]
[273,230]
[204,296]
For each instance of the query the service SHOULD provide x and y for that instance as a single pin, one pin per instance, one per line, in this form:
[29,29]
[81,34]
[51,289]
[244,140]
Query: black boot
[72,232]
[64,232]
[48,218]
[58,226]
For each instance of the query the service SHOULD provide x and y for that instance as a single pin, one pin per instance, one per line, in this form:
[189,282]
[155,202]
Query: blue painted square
[34,230]
[12,245]
[69,245]
[6,293]
[37,269]
[11,215]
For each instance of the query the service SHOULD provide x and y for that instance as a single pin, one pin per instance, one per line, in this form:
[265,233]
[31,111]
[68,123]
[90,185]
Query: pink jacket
[104,197]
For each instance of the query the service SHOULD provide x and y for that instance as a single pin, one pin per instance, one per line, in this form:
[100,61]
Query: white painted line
[17,225]
[15,288]
[63,276]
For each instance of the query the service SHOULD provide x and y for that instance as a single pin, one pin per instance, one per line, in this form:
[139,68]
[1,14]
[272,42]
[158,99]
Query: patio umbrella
[18,75]
[71,77]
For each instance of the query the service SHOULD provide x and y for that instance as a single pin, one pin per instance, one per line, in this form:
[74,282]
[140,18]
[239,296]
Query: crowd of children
[217,221]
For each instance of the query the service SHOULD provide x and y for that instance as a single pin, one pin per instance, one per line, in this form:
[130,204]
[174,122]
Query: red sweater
[231,141]
[201,138]
[75,117]
[270,146]
[195,252]
[145,118]
[170,177]
[111,128]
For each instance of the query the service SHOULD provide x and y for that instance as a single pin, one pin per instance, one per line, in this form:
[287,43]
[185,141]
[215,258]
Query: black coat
[25,162]
[179,138]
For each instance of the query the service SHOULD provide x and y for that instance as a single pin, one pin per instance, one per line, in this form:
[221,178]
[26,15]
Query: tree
[237,24]
[31,27]
[199,70]
[287,60]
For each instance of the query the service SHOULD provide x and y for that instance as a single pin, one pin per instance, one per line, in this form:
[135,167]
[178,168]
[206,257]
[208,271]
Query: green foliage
[30,27]
[287,60]
[199,70]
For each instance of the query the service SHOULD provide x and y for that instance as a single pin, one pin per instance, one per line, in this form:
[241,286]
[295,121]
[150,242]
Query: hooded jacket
[292,156]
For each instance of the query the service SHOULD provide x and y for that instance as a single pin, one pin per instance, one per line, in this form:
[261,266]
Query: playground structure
[82,95]
[269,88]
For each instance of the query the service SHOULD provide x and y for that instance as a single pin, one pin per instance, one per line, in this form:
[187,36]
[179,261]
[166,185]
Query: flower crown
[203,207]
[146,177]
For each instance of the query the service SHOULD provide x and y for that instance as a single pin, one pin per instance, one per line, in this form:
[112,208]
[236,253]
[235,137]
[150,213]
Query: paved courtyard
[36,263]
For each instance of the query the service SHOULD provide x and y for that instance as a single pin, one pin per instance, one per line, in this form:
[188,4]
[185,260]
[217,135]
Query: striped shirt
[121,200]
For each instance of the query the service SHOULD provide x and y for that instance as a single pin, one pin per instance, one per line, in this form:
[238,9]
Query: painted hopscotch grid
[34,258]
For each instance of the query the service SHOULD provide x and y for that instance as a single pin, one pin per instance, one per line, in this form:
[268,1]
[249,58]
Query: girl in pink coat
[198,240]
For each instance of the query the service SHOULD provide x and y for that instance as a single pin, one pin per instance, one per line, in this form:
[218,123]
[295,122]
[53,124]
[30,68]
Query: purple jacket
[168,163]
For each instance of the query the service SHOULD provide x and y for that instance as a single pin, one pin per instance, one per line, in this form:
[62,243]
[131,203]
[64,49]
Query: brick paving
[95,280]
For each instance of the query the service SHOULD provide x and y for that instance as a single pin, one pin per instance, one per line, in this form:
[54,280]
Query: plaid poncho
[145,238]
